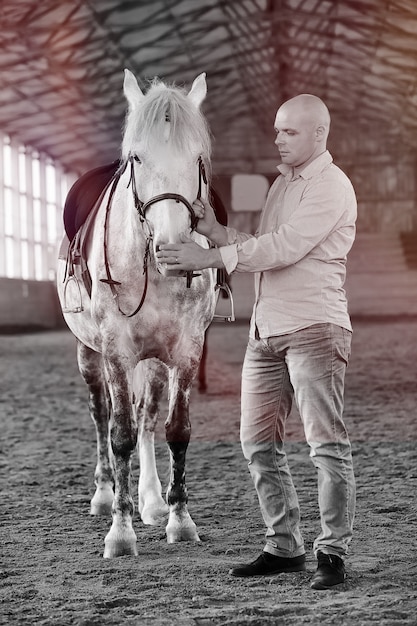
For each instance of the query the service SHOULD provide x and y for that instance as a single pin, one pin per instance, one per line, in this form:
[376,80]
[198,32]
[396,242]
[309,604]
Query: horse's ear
[198,90]
[131,89]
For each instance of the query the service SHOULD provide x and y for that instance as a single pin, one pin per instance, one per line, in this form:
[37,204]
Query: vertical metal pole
[29,214]
[2,211]
[44,219]
[17,238]
[59,231]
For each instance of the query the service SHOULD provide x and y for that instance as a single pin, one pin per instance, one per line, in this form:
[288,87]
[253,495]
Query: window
[32,195]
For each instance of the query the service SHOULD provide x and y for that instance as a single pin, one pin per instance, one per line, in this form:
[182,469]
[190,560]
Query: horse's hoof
[118,549]
[120,544]
[102,501]
[102,508]
[185,534]
[113,549]
[153,516]
[177,532]
[181,526]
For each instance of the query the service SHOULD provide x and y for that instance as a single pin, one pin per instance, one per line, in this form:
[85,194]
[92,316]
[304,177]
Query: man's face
[296,137]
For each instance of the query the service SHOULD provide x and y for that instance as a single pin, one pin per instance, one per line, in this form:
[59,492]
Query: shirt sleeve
[320,211]
[229,253]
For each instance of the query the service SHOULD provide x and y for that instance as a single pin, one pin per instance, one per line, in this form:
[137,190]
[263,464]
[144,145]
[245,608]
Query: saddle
[84,194]
[81,204]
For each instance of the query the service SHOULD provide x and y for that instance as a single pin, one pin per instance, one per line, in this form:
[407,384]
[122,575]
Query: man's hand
[206,217]
[207,223]
[188,255]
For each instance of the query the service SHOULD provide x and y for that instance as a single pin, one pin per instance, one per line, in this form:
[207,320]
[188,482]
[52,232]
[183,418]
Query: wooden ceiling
[62,61]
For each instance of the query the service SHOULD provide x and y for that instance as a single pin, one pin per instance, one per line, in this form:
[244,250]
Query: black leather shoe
[330,571]
[268,564]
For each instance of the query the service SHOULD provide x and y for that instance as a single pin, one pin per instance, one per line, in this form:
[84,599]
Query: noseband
[141,208]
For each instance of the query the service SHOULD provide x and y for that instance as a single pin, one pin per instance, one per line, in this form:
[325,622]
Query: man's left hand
[188,255]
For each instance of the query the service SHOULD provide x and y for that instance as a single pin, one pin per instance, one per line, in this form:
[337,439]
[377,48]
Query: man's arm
[188,255]
[323,209]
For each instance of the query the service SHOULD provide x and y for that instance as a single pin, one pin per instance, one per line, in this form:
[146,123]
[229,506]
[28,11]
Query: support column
[2,211]
[43,219]
[30,215]
[17,251]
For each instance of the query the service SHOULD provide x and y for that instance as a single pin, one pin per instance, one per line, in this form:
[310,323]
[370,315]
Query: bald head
[308,108]
[302,124]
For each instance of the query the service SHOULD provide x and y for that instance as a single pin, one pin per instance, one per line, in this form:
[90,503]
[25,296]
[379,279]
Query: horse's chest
[162,334]
[170,323]
[164,323]
[165,344]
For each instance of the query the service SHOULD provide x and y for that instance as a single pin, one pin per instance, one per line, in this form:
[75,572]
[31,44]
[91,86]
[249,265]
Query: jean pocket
[347,344]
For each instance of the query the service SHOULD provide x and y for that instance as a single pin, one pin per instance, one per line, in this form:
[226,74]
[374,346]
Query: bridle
[141,208]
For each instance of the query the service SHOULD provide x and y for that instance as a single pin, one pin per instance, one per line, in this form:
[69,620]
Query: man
[299,342]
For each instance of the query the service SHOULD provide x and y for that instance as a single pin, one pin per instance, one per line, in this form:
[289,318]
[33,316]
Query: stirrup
[225,318]
[75,309]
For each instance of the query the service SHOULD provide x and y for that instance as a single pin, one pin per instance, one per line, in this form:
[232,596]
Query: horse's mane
[162,102]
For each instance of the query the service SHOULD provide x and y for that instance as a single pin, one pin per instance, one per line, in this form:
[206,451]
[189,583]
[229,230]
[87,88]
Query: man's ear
[321,132]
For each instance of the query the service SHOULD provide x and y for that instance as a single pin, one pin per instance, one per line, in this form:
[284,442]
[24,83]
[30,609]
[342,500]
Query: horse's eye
[137,159]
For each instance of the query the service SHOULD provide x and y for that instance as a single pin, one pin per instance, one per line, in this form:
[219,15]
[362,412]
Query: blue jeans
[309,366]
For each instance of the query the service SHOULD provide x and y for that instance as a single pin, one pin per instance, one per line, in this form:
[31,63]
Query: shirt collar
[313,168]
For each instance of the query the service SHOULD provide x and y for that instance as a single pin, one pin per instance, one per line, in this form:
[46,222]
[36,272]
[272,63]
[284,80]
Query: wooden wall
[386,196]
[28,305]
[386,190]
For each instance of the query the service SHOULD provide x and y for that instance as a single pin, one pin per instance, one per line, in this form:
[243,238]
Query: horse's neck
[126,222]
[120,229]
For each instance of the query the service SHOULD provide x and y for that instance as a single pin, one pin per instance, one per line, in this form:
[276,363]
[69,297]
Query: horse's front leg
[180,526]
[90,364]
[121,539]
[149,385]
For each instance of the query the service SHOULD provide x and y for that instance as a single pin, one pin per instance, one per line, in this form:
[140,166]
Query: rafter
[61,68]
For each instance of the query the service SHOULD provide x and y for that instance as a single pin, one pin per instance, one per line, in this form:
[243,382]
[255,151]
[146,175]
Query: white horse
[140,328]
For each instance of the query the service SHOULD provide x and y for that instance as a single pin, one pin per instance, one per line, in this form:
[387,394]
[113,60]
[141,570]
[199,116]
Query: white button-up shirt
[299,252]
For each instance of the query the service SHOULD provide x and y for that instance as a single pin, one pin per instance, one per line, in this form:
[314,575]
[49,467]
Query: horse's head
[167,144]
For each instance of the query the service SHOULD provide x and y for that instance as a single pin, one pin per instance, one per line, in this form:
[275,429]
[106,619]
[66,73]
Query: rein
[141,208]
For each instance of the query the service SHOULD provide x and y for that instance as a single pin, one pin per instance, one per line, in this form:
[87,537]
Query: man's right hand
[207,223]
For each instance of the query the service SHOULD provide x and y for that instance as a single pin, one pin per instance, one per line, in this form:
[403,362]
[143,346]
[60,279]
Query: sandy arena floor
[52,572]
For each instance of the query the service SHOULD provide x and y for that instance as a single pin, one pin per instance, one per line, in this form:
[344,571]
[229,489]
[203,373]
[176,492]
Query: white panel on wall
[249,192]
